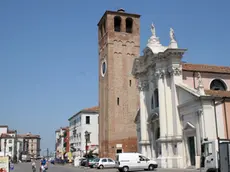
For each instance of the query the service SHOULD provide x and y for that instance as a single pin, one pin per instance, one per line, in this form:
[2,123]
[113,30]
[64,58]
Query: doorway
[224,156]
[157,144]
[191,150]
[119,150]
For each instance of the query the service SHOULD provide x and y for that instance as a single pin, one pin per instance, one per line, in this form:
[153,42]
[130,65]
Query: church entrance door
[191,150]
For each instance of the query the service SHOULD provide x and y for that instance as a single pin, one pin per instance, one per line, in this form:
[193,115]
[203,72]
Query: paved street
[26,167]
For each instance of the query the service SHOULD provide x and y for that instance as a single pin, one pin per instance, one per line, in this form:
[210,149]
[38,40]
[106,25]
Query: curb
[179,169]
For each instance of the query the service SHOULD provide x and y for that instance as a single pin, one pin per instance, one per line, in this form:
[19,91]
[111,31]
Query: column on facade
[168,106]
[161,93]
[176,77]
[144,141]
[199,131]
[176,148]
[154,134]
[160,74]
[198,137]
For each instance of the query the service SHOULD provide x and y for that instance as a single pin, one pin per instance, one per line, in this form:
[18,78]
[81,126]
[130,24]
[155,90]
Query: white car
[134,161]
[105,163]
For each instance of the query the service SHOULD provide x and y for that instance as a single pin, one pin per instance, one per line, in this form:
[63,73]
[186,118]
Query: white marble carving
[174,71]
[200,86]
[153,30]
[173,42]
[172,35]
[160,73]
[143,85]
[154,42]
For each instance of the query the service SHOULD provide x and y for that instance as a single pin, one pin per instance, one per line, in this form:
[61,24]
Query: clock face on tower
[103,68]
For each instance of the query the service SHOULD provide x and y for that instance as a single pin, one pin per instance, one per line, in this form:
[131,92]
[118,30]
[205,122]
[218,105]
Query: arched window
[117,23]
[152,102]
[129,25]
[217,84]
[156,98]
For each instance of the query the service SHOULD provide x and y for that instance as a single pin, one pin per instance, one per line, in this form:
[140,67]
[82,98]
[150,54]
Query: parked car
[82,161]
[92,162]
[101,163]
[26,158]
[134,161]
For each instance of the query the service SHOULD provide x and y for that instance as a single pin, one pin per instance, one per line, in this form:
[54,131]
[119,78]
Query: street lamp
[15,157]
[5,147]
[86,147]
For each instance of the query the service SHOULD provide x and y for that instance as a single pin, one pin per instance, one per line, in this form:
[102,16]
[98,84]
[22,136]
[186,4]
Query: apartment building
[9,144]
[85,120]
[31,144]
[12,143]
[62,147]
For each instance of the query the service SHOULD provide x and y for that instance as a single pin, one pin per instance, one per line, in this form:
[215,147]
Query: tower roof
[120,11]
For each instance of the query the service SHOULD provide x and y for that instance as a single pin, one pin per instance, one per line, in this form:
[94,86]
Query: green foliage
[91,154]
[15,159]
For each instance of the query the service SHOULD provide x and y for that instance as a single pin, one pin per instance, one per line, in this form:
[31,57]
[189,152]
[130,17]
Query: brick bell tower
[119,44]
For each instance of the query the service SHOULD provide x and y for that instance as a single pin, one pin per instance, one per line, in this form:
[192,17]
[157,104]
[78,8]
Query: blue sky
[49,52]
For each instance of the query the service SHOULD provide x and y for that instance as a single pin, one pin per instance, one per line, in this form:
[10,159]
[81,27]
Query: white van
[134,161]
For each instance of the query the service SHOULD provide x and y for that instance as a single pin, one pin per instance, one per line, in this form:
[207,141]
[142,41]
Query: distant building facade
[9,145]
[12,143]
[62,145]
[31,144]
[84,120]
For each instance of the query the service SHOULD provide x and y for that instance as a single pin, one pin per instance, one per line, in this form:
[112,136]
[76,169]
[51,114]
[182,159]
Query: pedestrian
[43,165]
[34,166]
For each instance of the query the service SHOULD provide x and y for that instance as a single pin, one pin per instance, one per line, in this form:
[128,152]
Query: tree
[91,154]
[15,159]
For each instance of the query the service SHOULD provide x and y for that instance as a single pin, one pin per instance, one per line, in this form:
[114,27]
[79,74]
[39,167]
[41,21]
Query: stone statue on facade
[199,78]
[153,30]
[172,35]
[200,86]
[154,42]
[173,43]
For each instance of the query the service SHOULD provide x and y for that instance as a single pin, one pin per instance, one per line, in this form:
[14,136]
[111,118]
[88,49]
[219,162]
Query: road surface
[26,167]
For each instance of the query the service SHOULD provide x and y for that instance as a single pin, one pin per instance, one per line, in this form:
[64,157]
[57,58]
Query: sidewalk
[158,169]
[176,169]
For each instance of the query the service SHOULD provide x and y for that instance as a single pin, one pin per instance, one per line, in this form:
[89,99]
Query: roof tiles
[205,68]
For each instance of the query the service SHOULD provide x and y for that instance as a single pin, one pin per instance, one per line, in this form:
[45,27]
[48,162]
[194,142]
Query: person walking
[43,165]
[34,166]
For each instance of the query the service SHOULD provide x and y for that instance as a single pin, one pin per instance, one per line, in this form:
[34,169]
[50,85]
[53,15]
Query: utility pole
[0,144]
[5,147]
[15,157]
[47,153]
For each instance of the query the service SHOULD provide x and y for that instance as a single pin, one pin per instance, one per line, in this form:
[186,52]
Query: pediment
[189,126]
[185,94]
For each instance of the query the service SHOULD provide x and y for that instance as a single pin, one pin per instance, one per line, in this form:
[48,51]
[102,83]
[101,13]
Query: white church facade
[174,116]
